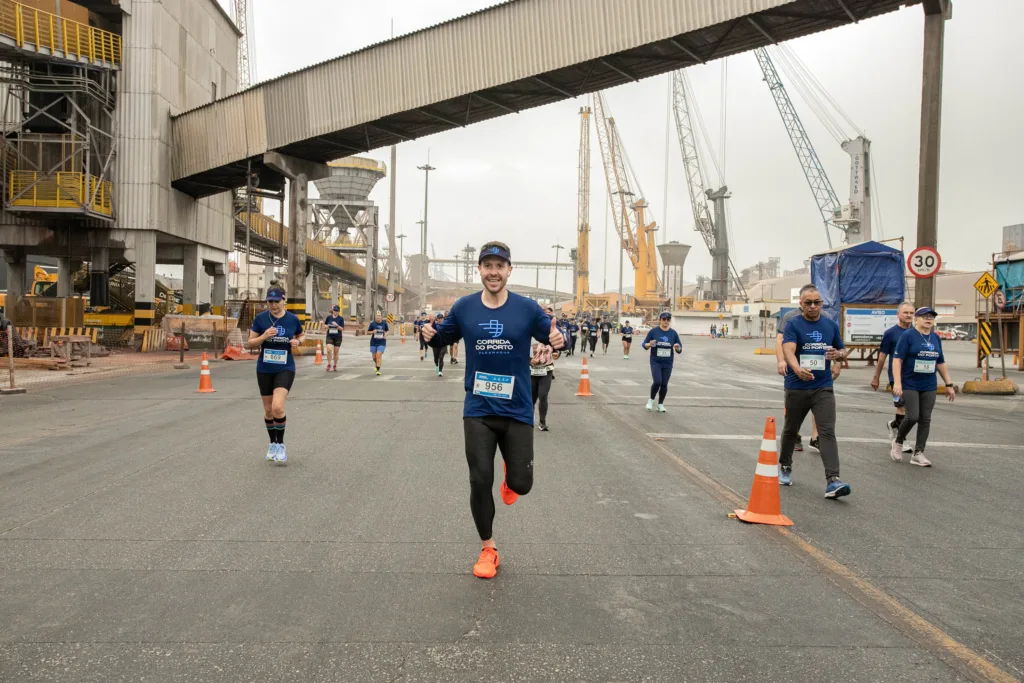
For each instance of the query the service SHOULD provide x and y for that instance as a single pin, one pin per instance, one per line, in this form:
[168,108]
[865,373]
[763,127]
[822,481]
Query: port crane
[636,235]
[711,227]
[853,220]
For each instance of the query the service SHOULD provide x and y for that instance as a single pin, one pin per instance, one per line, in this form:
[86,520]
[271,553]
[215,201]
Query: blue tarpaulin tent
[865,273]
[1010,276]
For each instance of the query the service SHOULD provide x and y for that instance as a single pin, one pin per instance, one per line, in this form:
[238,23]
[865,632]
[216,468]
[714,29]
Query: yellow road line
[926,634]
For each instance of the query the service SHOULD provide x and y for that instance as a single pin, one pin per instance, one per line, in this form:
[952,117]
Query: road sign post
[987,286]
[999,322]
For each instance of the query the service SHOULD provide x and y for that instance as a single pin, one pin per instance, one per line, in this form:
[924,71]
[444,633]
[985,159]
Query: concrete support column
[16,272]
[936,13]
[204,288]
[64,284]
[99,277]
[298,212]
[220,290]
[190,279]
[310,290]
[144,257]
[334,292]
[268,275]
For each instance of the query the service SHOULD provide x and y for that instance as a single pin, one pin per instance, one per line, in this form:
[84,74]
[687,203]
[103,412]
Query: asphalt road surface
[144,537]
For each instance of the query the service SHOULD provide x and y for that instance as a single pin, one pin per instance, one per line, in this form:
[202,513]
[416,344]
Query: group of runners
[587,331]
[512,344]
[439,353]
[810,351]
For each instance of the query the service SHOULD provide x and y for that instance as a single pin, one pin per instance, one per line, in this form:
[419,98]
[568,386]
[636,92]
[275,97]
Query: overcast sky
[514,178]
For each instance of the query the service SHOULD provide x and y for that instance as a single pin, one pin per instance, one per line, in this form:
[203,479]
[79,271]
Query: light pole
[426,168]
[558,249]
[401,269]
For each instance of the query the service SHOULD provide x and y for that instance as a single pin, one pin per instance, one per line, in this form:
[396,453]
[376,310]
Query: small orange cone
[584,389]
[401,328]
[205,383]
[764,506]
[319,360]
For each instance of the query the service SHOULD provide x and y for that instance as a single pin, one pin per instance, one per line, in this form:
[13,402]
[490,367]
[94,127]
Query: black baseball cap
[665,315]
[336,308]
[275,294]
[492,249]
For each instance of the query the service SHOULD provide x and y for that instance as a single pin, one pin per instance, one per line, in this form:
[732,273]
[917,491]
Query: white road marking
[842,439]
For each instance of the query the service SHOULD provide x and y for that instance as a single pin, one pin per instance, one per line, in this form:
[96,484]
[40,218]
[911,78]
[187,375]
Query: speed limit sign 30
[924,262]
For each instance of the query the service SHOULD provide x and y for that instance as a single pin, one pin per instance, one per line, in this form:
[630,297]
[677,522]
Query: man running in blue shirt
[904,317]
[418,325]
[811,343]
[497,327]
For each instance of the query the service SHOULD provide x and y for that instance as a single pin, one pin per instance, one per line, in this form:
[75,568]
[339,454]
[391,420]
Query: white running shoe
[896,452]
[271,452]
[650,404]
[919,460]
[661,408]
[281,455]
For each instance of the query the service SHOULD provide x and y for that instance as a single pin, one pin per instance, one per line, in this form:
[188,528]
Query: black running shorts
[333,340]
[269,381]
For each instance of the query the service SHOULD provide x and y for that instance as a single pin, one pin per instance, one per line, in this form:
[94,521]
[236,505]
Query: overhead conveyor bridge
[505,59]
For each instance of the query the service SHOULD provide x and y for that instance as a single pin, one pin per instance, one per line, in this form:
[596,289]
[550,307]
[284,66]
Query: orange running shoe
[508,496]
[487,564]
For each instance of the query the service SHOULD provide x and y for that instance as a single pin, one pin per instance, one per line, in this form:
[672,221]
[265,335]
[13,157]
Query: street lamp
[426,168]
[558,248]
[401,259]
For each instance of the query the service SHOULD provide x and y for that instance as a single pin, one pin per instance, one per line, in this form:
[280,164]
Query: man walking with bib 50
[498,328]
[814,350]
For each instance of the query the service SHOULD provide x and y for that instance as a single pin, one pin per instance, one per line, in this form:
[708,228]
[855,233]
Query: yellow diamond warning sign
[986,285]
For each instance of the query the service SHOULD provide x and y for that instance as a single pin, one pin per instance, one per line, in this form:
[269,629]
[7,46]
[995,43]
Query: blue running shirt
[498,352]
[276,352]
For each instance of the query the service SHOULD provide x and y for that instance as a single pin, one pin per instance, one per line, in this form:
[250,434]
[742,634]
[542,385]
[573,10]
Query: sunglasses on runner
[809,302]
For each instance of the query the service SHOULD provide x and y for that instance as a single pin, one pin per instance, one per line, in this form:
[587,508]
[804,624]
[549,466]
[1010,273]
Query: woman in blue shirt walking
[918,356]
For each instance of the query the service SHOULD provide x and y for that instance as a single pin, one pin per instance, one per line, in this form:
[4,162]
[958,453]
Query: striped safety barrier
[91,332]
[153,339]
[28,333]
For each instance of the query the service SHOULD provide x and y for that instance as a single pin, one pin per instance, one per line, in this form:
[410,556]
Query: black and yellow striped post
[984,347]
[298,307]
[144,316]
[985,338]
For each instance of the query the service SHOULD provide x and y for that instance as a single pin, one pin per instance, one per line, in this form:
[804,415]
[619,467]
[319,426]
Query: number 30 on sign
[924,262]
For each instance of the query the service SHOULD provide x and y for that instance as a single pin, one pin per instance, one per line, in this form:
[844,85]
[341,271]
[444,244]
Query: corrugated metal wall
[506,43]
[174,52]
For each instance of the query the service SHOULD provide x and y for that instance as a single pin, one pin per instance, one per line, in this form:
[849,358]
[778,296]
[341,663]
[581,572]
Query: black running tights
[439,358]
[483,436]
[541,385]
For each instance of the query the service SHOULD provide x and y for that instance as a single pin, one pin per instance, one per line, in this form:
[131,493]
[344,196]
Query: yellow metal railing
[60,191]
[270,229]
[34,29]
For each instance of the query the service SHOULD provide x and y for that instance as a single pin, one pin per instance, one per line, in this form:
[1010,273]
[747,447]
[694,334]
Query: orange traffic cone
[584,389]
[205,383]
[319,360]
[764,506]
[401,328]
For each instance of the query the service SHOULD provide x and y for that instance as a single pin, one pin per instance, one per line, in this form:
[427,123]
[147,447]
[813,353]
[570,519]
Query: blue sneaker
[281,455]
[271,452]
[837,489]
[785,476]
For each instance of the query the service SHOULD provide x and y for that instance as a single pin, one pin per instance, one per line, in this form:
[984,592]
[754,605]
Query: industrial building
[88,91]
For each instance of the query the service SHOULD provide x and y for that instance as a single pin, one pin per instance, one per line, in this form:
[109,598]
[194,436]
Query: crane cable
[821,112]
[821,89]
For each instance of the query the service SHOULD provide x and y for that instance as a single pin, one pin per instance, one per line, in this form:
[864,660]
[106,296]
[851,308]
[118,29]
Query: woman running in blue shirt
[663,342]
[275,333]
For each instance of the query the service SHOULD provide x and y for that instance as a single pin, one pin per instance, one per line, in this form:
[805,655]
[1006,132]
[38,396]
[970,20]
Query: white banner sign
[868,325]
